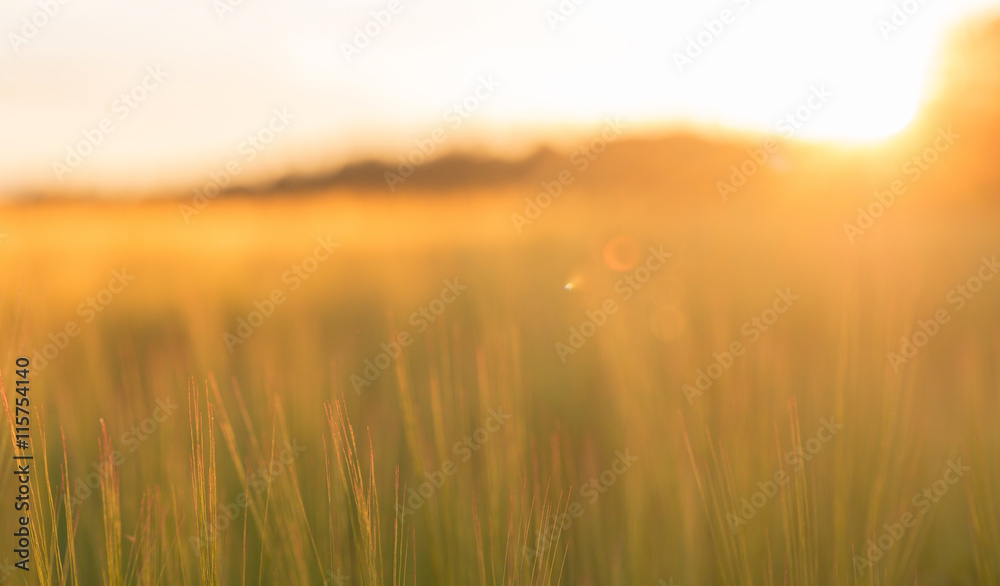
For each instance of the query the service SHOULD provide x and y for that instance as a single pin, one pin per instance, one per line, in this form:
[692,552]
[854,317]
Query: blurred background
[362,81]
[287,262]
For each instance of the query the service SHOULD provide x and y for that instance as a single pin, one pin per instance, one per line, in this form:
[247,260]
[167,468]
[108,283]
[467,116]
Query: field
[342,387]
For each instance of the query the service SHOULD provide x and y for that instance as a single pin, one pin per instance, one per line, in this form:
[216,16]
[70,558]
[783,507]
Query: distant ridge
[453,171]
[642,160]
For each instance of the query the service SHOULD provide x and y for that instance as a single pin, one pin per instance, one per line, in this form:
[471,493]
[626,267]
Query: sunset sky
[225,71]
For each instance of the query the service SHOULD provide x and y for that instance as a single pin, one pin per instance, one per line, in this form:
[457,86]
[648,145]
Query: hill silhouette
[688,167]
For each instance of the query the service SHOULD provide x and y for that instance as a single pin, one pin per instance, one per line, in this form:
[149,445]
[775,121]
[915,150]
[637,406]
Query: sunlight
[879,73]
[737,65]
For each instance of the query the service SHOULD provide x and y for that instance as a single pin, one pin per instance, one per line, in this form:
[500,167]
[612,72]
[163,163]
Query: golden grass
[333,509]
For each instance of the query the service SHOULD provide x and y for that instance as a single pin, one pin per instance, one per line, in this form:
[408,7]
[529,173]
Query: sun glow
[738,65]
[759,70]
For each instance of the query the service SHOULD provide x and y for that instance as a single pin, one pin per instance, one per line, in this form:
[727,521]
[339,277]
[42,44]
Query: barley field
[640,383]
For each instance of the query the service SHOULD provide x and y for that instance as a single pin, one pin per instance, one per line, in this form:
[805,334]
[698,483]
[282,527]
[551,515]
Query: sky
[151,94]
